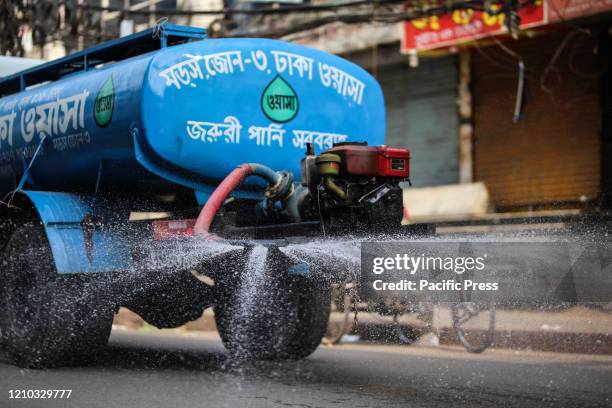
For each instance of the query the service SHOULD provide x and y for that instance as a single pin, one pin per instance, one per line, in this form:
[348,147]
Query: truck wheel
[47,319]
[285,318]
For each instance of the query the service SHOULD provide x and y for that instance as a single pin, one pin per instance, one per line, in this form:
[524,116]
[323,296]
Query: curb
[559,342]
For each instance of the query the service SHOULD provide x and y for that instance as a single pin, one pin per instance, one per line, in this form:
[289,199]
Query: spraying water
[328,255]
[253,279]
[251,289]
[178,254]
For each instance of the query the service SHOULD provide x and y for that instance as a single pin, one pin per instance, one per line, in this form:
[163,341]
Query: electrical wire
[521,90]
[550,67]
[572,60]
[346,12]
[233,11]
[372,16]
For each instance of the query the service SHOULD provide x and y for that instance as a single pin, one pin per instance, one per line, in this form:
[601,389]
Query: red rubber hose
[218,196]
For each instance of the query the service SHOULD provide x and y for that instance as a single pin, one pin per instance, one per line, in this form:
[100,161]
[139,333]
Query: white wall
[199,20]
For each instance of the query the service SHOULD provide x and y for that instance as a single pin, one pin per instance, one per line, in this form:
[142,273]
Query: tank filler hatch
[152,39]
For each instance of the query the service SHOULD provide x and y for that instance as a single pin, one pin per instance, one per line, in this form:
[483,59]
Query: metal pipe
[295,201]
[336,189]
[265,173]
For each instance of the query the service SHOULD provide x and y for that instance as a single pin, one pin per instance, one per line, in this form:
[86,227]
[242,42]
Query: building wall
[198,20]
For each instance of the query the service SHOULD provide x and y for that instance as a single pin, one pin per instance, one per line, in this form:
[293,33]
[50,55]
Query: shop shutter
[552,156]
[422,116]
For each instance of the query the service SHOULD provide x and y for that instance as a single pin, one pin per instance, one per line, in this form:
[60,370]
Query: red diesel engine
[379,161]
[355,184]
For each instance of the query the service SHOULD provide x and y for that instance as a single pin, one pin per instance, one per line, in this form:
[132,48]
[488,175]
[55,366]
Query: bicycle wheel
[339,322]
[474,340]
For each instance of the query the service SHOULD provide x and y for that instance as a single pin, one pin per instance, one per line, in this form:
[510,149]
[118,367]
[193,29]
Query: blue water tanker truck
[145,171]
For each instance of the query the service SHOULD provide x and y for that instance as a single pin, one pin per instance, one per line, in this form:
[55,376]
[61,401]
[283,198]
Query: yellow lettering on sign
[432,22]
[462,17]
[493,19]
[420,23]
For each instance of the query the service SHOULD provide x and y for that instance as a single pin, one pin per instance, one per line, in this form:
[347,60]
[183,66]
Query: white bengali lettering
[286,61]
[6,128]
[71,141]
[183,73]
[260,59]
[210,132]
[55,117]
[223,62]
[321,139]
[266,136]
[343,83]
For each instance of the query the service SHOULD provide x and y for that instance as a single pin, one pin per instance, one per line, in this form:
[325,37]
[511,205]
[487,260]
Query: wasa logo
[279,101]
[104,104]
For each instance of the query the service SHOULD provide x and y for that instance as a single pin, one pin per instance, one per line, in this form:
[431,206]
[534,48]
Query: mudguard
[79,242]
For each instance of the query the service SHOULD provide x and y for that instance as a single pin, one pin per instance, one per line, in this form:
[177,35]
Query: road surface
[168,370]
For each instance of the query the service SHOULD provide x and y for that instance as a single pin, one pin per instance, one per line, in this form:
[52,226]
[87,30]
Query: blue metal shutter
[422,116]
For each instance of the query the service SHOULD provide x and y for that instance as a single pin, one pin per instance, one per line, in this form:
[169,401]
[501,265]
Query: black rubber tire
[47,319]
[285,319]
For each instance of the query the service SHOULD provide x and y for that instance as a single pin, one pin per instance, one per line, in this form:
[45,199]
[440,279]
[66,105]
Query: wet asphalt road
[153,370]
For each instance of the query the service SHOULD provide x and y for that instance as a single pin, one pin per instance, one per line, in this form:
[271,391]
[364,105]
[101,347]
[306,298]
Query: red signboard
[559,10]
[466,25]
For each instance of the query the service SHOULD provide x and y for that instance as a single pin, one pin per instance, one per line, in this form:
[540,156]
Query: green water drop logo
[279,101]
[104,104]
